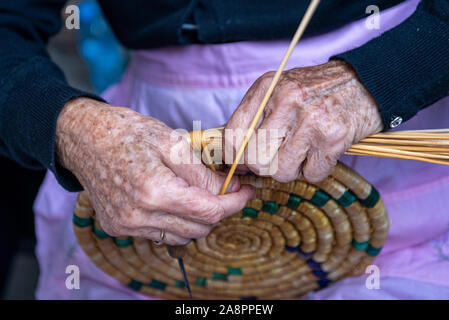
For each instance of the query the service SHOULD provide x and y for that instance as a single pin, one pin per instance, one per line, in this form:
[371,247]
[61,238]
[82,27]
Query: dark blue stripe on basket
[323,283]
[305,255]
[372,199]
[291,249]
[319,273]
[314,264]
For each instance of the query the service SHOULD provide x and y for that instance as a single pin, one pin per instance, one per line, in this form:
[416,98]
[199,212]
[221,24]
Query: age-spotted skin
[318,112]
[122,159]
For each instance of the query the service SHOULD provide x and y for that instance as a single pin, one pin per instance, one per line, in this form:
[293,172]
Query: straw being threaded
[420,145]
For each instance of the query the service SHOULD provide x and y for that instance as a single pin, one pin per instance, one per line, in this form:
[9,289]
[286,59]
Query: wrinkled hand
[318,112]
[122,159]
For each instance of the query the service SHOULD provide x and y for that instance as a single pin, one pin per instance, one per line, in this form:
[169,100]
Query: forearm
[33,90]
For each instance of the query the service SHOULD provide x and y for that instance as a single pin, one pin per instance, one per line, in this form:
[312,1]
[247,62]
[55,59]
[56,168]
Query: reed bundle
[421,145]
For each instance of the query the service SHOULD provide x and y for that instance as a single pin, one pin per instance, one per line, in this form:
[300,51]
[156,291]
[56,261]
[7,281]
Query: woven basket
[291,239]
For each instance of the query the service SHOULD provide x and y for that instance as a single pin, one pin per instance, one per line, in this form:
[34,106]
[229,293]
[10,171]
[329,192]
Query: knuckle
[285,176]
[330,134]
[109,230]
[203,233]
[265,79]
[127,217]
[109,225]
[148,234]
[115,230]
[314,175]
[153,235]
[206,212]
[176,241]
[211,216]
[122,230]
[194,204]
[140,196]
[214,218]
[184,242]
[130,222]
[268,75]
[147,197]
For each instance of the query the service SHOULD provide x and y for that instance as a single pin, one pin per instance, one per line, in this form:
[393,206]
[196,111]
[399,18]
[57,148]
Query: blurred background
[92,60]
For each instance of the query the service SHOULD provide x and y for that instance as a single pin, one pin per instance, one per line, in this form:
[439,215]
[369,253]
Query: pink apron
[206,83]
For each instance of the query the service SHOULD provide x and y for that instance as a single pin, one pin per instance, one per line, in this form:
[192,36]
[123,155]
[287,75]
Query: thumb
[193,172]
[200,176]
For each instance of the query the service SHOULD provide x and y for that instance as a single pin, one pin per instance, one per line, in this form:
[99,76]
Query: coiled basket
[291,239]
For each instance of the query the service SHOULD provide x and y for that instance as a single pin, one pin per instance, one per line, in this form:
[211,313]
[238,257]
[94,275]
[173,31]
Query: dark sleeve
[407,68]
[33,90]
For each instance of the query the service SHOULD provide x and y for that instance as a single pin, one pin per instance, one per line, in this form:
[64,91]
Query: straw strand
[302,26]
[419,145]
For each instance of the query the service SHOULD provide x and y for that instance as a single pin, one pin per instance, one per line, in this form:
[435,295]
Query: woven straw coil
[292,238]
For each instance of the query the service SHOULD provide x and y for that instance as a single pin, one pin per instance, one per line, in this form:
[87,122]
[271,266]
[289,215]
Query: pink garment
[207,82]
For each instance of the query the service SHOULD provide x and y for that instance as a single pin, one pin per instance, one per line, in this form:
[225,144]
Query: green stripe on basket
[123,242]
[220,276]
[347,198]
[100,234]
[235,271]
[320,198]
[179,284]
[157,284]
[360,245]
[135,285]
[271,207]
[372,199]
[82,222]
[293,201]
[201,282]
[249,212]
[372,251]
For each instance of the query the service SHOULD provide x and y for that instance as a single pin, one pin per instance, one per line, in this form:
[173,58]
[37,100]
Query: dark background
[19,269]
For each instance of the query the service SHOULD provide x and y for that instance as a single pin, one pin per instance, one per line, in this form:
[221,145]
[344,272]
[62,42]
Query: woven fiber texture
[291,239]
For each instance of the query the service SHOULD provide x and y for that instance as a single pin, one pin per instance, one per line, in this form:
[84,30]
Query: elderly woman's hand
[124,161]
[318,112]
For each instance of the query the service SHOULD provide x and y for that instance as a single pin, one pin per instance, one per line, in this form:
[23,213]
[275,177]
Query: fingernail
[235,185]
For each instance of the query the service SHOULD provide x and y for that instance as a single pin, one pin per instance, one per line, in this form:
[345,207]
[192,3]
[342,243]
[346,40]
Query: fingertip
[248,190]
[241,169]
[235,184]
[315,174]
[314,177]
[235,201]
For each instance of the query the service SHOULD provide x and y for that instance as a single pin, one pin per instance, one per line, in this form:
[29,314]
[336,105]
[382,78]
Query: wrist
[368,118]
[73,123]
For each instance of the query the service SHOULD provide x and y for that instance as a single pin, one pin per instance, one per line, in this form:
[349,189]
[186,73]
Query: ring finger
[159,236]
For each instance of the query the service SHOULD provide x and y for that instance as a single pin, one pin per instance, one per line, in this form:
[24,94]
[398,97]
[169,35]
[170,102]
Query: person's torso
[141,24]
[179,85]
